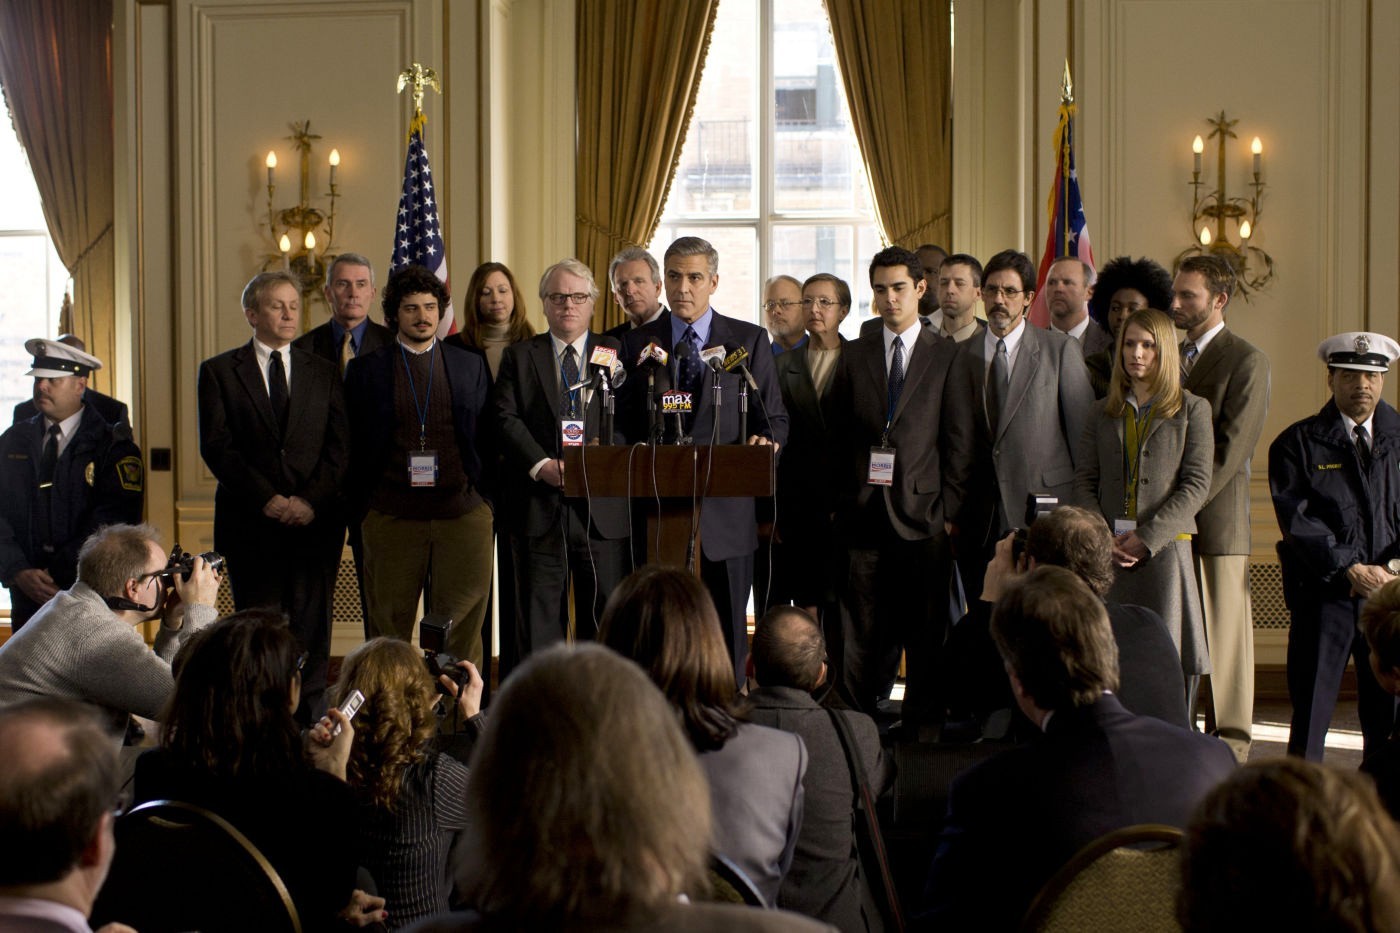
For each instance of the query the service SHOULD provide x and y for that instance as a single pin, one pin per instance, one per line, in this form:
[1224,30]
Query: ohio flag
[418,231]
[1069,233]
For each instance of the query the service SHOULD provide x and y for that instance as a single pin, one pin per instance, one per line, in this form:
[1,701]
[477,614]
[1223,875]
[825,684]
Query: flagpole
[1066,141]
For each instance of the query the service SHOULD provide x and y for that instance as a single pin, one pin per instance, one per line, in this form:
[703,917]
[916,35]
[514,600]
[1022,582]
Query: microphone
[675,402]
[653,355]
[604,360]
[738,359]
[713,357]
[681,350]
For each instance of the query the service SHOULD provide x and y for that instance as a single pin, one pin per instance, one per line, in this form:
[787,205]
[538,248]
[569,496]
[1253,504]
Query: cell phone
[349,708]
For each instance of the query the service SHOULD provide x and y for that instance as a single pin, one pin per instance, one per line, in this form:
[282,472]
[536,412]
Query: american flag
[1069,232]
[418,231]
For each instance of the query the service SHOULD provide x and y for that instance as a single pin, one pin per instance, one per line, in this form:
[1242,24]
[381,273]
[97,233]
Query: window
[770,172]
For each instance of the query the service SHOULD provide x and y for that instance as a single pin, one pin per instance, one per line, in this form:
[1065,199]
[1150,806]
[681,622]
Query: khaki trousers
[401,553]
[1224,582]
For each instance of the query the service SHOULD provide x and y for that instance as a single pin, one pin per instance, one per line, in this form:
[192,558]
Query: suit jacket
[808,463]
[1014,819]
[239,440]
[320,341]
[1046,408]
[727,527]
[914,502]
[113,411]
[369,395]
[1233,377]
[1095,339]
[822,882]
[1173,470]
[525,411]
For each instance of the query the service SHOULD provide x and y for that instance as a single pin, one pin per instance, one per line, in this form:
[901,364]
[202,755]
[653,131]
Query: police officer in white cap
[1335,480]
[64,472]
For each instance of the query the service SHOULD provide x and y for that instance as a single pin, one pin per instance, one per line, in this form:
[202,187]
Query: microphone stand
[655,420]
[605,431]
[743,412]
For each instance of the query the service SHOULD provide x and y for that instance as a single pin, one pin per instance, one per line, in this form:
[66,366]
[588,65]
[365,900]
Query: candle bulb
[1245,230]
[335,161]
[285,245]
[1205,236]
[310,240]
[271,164]
[1257,148]
[1197,147]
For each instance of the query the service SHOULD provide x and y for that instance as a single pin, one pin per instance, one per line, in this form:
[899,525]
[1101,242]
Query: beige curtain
[895,61]
[56,72]
[639,64]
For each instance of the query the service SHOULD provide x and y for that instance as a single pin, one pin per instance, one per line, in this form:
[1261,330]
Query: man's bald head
[788,649]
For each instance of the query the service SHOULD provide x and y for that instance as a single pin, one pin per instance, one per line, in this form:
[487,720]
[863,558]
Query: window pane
[738,289]
[717,166]
[867,245]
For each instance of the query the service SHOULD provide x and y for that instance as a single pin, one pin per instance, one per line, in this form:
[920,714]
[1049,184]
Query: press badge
[1124,525]
[571,433]
[881,466]
[422,469]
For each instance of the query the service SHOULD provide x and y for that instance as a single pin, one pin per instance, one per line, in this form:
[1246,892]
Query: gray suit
[1095,339]
[1233,377]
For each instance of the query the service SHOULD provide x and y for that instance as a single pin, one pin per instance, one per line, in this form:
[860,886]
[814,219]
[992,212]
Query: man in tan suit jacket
[1233,377]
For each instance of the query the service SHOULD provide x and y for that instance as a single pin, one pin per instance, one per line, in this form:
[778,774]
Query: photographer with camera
[83,644]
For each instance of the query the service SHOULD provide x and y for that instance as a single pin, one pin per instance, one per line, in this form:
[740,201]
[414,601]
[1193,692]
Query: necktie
[347,351]
[1363,445]
[277,389]
[568,401]
[48,463]
[997,379]
[1188,358]
[896,385]
[690,366]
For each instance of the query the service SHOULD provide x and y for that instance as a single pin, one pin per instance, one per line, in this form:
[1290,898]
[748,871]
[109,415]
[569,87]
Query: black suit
[113,411]
[896,590]
[321,341]
[272,564]
[728,534]
[1016,818]
[554,538]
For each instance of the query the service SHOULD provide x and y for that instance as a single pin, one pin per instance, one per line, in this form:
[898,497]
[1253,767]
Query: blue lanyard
[427,397]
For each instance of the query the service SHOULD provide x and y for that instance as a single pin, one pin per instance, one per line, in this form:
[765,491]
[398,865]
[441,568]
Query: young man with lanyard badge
[887,396]
[417,480]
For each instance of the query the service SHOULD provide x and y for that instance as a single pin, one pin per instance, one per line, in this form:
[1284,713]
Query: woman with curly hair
[495,314]
[1124,285]
[412,799]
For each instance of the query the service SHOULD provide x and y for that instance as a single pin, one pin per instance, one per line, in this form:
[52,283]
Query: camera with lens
[1037,504]
[432,638]
[181,563]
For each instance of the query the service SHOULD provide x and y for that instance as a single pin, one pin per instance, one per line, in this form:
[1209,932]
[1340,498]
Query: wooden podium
[680,477]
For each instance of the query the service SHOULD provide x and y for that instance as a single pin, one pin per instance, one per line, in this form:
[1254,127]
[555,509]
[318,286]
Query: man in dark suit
[728,534]
[887,399]
[788,663]
[349,333]
[959,284]
[1018,400]
[113,411]
[417,481]
[1068,287]
[1335,481]
[1013,820]
[635,279]
[1233,376]
[537,409]
[272,430]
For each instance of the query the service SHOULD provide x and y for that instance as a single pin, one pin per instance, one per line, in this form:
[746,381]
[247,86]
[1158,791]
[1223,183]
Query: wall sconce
[1253,267]
[294,229]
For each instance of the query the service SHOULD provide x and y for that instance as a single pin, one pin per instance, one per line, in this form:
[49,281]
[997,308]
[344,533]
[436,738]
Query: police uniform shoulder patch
[130,473]
[90,472]
[1329,466]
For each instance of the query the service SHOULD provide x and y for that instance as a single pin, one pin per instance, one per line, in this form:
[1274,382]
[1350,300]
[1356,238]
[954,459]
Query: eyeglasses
[823,303]
[992,291]
[559,299]
[770,305]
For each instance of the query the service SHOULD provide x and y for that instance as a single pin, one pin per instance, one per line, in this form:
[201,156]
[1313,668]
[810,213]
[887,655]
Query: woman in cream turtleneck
[496,317]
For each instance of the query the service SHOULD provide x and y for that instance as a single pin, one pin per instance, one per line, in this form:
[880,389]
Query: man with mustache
[1335,480]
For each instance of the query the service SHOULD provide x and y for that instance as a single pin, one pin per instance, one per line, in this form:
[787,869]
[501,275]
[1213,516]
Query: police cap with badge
[1360,350]
[54,360]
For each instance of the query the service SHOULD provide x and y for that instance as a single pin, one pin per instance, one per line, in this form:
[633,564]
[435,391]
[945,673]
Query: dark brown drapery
[895,60]
[639,65]
[56,72]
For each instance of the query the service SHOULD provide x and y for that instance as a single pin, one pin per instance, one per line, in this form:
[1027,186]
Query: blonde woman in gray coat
[1145,462]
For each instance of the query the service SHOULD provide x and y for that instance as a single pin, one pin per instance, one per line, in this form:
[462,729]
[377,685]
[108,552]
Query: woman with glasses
[412,799]
[495,314]
[230,745]
[1145,462]
[806,491]
[1124,285]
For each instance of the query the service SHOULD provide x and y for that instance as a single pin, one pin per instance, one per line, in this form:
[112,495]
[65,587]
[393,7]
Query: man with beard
[784,314]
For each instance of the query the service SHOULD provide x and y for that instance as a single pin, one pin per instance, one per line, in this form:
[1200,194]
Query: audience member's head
[585,799]
[1127,285]
[236,684]
[663,619]
[1076,539]
[396,722]
[412,280]
[1054,637]
[58,785]
[788,650]
[1380,621]
[1286,844]
[118,560]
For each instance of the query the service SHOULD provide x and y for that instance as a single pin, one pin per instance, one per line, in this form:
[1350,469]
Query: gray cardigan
[77,648]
